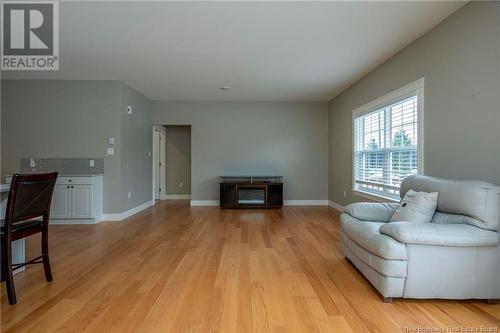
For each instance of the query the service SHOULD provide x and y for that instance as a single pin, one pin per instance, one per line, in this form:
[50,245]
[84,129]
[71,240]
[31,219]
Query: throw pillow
[416,207]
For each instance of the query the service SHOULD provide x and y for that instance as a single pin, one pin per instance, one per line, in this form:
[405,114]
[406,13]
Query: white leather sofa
[456,256]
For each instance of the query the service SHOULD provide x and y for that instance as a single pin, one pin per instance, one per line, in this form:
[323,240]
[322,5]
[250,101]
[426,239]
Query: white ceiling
[266,51]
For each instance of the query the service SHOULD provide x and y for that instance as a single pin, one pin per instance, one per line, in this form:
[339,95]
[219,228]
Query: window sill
[372,196]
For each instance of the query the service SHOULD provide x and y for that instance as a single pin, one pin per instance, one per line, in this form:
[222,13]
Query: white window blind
[387,142]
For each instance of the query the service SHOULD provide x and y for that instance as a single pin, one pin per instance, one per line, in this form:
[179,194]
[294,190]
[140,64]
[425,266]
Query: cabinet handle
[72,186]
[67,186]
[69,180]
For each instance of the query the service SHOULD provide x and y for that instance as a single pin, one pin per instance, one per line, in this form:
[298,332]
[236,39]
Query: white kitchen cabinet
[81,196]
[61,202]
[18,246]
[76,200]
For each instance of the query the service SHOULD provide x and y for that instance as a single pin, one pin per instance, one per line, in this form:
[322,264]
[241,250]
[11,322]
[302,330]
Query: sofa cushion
[440,234]
[386,267]
[446,218]
[418,207]
[386,285]
[367,235]
[478,200]
[372,211]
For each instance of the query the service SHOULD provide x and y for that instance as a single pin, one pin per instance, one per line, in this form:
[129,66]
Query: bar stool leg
[45,255]
[9,276]
[2,265]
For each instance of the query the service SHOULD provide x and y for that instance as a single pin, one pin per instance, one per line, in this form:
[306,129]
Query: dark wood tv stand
[251,192]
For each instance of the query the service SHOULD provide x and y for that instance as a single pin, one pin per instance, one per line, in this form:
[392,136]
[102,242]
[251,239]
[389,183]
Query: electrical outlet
[91,163]
[345,194]
[110,151]
[129,195]
[181,184]
[32,162]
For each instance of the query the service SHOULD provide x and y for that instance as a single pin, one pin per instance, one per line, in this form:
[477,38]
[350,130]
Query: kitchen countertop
[71,175]
[80,175]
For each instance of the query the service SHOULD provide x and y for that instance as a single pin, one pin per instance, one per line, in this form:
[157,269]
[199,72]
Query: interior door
[163,166]
[82,201]
[156,163]
[159,166]
[61,202]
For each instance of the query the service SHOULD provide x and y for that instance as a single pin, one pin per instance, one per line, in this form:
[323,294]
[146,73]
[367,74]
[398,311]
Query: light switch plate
[110,151]
[91,163]
[111,141]
[129,109]
[32,163]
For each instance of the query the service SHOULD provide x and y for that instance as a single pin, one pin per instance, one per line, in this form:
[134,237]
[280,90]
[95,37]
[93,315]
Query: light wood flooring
[172,268]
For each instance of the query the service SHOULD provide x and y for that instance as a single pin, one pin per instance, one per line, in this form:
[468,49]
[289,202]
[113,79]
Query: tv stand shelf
[251,192]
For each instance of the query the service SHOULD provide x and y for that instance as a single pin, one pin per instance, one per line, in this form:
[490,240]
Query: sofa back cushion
[478,201]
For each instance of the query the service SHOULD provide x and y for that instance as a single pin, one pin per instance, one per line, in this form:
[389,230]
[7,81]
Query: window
[388,141]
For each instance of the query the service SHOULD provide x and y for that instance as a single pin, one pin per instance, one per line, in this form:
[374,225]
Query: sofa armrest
[371,211]
[440,234]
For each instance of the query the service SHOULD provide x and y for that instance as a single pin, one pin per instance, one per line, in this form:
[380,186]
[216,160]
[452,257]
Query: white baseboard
[204,202]
[176,197]
[306,203]
[286,203]
[128,213]
[336,206]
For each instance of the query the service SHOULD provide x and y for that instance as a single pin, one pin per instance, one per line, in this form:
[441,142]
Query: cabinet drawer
[66,180]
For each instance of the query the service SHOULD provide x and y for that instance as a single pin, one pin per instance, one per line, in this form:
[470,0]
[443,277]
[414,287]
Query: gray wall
[62,119]
[178,158]
[230,138]
[136,137]
[459,60]
[73,119]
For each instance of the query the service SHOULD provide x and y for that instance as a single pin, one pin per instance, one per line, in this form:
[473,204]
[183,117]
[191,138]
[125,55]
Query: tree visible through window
[403,163]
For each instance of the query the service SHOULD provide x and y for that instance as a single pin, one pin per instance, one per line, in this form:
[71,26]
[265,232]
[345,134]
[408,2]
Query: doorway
[172,162]
[178,161]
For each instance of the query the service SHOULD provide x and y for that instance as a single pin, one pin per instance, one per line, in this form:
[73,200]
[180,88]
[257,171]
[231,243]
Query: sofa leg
[492,301]
[386,299]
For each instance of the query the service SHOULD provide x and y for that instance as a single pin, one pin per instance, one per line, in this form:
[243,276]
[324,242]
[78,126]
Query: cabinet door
[227,195]
[275,195]
[82,201]
[61,202]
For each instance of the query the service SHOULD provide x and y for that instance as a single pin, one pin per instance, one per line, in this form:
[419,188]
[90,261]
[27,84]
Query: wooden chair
[27,213]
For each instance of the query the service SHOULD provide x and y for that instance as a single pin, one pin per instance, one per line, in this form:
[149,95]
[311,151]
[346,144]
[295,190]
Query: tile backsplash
[65,166]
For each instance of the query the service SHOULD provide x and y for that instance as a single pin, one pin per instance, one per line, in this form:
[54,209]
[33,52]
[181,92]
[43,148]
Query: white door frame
[159,163]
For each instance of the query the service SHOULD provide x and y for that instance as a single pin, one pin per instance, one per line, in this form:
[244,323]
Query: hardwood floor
[173,268]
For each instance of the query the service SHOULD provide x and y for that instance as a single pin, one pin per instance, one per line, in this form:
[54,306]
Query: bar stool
[27,213]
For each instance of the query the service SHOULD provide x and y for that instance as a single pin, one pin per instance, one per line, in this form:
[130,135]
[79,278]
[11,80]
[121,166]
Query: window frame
[416,88]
